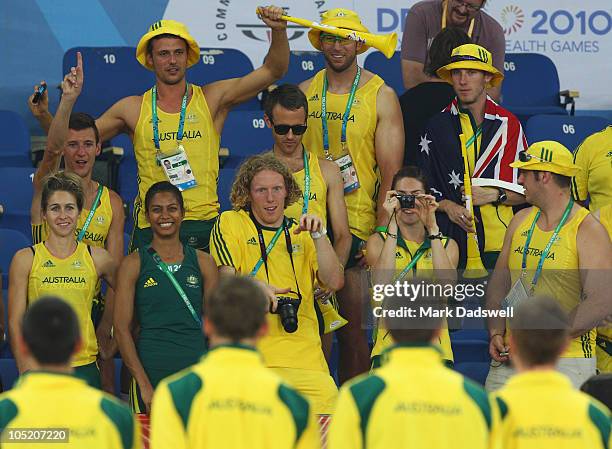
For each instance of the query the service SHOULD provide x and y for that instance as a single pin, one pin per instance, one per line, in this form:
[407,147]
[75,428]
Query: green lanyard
[552,240]
[268,248]
[92,212]
[155,120]
[306,183]
[471,141]
[419,253]
[347,112]
[164,268]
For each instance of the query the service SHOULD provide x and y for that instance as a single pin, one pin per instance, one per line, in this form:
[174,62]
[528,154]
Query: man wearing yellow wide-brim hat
[557,249]
[355,120]
[493,138]
[176,126]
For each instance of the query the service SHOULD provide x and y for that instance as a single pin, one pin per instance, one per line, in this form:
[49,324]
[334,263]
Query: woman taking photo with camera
[61,266]
[410,246]
[162,285]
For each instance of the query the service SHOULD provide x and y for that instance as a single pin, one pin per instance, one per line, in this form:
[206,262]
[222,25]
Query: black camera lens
[287,309]
[406,201]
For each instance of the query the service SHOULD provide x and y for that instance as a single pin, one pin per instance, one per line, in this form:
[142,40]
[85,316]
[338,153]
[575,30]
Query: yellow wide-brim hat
[341,18]
[168,27]
[471,56]
[550,156]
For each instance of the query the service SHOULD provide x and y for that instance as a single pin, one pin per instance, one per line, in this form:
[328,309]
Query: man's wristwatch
[317,235]
[501,198]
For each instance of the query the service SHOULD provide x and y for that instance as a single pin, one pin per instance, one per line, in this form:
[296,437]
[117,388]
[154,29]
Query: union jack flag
[440,158]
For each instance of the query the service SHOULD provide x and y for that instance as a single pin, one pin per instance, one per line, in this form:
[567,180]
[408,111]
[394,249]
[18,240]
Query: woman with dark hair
[61,266]
[162,286]
[410,246]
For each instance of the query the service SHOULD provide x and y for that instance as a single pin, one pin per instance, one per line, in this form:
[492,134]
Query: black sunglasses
[298,130]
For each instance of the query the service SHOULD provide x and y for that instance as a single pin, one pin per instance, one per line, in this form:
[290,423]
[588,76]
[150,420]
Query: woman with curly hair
[257,239]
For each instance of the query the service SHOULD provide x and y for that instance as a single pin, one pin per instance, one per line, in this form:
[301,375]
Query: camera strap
[164,268]
[265,250]
[412,264]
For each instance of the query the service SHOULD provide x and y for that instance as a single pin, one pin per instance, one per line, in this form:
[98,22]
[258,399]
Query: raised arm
[380,254]
[19,273]
[388,143]
[336,208]
[224,94]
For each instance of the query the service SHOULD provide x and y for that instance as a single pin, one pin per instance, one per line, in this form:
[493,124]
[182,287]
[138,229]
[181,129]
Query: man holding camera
[256,239]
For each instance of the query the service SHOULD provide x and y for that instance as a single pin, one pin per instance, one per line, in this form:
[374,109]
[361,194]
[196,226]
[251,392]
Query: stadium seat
[531,86]
[15,142]
[222,63]
[303,65]
[389,70]
[16,197]
[111,73]
[8,372]
[245,133]
[569,130]
[470,334]
[472,359]
[224,187]
[10,242]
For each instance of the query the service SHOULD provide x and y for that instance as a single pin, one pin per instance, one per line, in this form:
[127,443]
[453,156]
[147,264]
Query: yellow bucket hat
[547,155]
[341,18]
[471,56]
[168,27]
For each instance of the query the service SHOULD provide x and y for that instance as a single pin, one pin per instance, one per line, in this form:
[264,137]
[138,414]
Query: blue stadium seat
[10,242]
[111,73]
[5,347]
[569,130]
[16,197]
[15,142]
[245,133]
[470,334]
[224,187]
[472,358]
[222,63]
[389,70]
[303,65]
[531,86]
[8,372]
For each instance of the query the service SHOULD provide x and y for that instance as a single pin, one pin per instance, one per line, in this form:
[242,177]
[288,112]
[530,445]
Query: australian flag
[440,158]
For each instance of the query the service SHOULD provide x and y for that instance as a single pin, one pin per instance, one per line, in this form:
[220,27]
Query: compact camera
[406,201]
[287,308]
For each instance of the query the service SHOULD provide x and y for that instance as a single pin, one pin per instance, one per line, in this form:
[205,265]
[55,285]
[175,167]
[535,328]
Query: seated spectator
[162,288]
[48,397]
[290,257]
[411,245]
[413,401]
[61,265]
[539,407]
[425,20]
[230,399]
[428,98]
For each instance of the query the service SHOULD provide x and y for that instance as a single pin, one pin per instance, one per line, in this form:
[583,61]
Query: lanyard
[92,212]
[422,249]
[444,9]
[266,250]
[553,238]
[472,141]
[306,183]
[155,120]
[164,268]
[347,112]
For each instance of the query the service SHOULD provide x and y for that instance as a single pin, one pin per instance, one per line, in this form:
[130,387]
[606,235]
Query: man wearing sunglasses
[286,110]
[557,249]
[355,120]
[425,20]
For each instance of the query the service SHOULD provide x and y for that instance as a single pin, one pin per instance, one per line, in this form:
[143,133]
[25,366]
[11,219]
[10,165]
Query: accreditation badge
[349,173]
[516,295]
[177,168]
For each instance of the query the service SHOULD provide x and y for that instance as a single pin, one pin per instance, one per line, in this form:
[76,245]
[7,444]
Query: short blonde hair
[62,181]
[240,196]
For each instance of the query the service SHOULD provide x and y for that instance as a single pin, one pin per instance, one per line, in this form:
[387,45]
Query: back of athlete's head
[240,196]
[540,331]
[164,187]
[62,182]
[289,96]
[237,308]
[442,46]
[410,171]
[414,319]
[50,329]
[80,121]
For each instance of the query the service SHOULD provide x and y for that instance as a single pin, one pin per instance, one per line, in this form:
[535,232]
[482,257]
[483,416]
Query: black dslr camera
[406,201]
[287,308]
